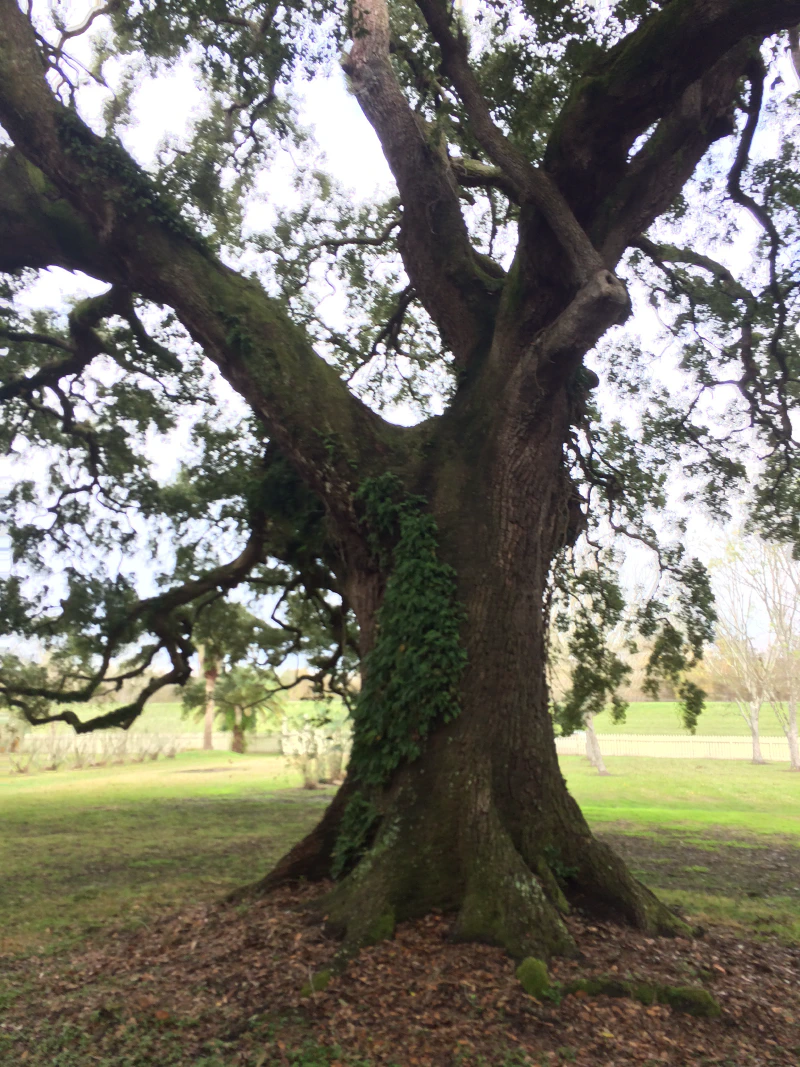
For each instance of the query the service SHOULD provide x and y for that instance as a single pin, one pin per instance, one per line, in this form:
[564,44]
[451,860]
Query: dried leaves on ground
[225,985]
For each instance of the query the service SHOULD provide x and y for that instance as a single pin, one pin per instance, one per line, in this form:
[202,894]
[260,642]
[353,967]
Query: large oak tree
[542,153]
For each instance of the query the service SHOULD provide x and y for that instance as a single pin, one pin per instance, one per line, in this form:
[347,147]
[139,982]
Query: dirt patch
[711,861]
[231,979]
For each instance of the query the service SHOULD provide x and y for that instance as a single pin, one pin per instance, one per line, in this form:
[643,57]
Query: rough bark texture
[482,823]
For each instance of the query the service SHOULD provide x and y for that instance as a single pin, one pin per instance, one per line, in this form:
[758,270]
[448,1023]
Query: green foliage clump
[532,975]
[675,652]
[353,838]
[598,671]
[691,1000]
[411,676]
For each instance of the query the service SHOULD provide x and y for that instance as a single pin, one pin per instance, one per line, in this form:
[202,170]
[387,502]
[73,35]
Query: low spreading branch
[661,254]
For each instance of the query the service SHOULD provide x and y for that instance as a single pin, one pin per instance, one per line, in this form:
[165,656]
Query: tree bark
[482,824]
[237,733]
[593,753]
[211,673]
[753,723]
[791,735]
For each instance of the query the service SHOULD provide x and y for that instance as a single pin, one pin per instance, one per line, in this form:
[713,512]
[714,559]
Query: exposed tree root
[469,866]
[310,859]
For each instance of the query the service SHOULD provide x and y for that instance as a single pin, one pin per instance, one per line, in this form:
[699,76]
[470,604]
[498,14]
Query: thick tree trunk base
[471,868]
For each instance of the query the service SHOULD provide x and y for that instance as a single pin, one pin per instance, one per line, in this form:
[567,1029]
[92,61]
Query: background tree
[760,634]
[774,575]
[241,695]
[227,635]
[551,165]
[741,673]
[209,671]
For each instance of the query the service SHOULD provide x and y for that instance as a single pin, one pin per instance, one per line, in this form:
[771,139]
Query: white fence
[221,741]
[676,747]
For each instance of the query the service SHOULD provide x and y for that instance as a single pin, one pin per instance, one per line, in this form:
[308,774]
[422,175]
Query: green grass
[776,916]
[714,805]
[662,717]
[649,793]
[105,848]
[82,849]
[109,1042]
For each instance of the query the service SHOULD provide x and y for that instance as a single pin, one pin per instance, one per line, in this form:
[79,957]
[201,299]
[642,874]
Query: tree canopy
[498,115]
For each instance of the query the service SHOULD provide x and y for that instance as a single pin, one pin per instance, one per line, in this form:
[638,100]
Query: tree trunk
[237,734]
[211,674]
[482,825]
[593,753]
[791,735]
[753,723]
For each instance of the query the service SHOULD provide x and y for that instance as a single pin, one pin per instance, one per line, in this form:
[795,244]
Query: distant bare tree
[773,574]
[756,659]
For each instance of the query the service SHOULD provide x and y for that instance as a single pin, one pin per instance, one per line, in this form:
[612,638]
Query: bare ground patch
[226,983]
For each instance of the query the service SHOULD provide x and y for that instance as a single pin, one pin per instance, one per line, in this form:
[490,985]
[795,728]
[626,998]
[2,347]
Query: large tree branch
[37,228]
[531,185]
[472,174]
[641,80]
[123,717]
[94,209]
[157,614]
[756,73]
[663,253]
[664,164]
[452,284]
[82,348]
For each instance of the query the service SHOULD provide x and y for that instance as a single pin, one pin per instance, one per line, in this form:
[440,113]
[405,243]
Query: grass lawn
[653,793]
[662,717]
[82,849]
[108,850]
[718,839]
